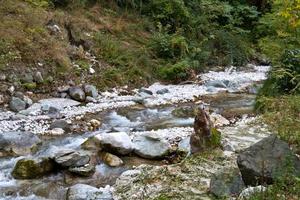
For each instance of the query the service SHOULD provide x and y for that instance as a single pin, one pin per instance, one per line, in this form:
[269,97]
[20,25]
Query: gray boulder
[71,158]
[146,91]
[33,168]
[184,145]
[267,159]
[27,78]
[87,192]
[162,91]
[227,182]
[91,91]
[118,142]
[77,94]
[16,104]
[151,146]
[63,124]
[90,100]
[18,143]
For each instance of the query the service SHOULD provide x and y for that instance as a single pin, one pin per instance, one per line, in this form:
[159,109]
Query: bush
[172,13]
[169,46]
[176,73]
[285,77]
[282,114]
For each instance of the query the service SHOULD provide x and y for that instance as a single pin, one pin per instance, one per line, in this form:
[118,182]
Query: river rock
[49,190]
[18,143]
[87,192]
[63,124]
[86,170]
[33,168]
[71,158]
[111,160]
[90,100]
[265,160]
[151,146]
[227,182]
[143,90]
[118,142]
[37,77]
[91,91]
[184,145]
[46,104]
[77,94]
[92,143]
[16,104]
[162,91]
[27,78]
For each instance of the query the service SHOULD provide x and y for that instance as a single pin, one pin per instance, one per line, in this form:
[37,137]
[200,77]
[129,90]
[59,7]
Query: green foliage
[282,114]
[176,73]
[215,140]
[166,46]
[171,13]
[7,54]
[30,86]
[39,3]
[285,76]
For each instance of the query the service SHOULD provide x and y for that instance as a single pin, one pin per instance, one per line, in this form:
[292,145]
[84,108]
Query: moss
[30,169]
[30,86]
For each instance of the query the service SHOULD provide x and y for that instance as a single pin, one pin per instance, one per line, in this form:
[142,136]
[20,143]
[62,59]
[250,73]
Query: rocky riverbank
[125,138]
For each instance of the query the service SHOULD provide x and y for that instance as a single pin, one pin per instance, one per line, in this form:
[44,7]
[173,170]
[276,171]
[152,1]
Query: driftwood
[202,132]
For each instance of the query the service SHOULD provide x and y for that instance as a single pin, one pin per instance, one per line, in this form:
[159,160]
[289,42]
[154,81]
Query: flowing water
[159,112]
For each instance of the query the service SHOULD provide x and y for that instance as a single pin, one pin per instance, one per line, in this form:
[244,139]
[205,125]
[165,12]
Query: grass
[282,114]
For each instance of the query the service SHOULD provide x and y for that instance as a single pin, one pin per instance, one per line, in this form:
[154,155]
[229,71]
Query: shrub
[172,13]
[169,46]
[285,77]
[177,72]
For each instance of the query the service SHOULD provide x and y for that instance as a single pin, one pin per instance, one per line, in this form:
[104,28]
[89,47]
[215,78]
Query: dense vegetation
[279,98]
[136,40]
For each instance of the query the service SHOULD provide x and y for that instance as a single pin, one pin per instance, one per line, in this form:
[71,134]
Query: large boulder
[16,104]
[18,143]
[71,158]
[77,94]
[87,192]
[227,182]
[33,168]
[265,160]
[91,91]
[118,142]
[151,146]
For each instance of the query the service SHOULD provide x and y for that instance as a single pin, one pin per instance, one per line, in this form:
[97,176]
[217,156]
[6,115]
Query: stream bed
[170,114]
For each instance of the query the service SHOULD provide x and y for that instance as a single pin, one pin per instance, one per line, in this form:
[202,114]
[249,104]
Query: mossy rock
[33,168]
